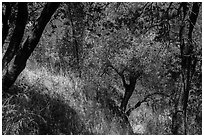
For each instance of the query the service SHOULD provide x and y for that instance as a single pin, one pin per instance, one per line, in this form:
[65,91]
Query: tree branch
[145,100]
[120,73]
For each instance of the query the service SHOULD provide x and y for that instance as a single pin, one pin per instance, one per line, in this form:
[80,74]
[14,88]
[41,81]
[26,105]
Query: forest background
[102,68]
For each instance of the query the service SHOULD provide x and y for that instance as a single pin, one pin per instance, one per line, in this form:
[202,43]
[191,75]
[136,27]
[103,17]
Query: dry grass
[47,103]
[54,104]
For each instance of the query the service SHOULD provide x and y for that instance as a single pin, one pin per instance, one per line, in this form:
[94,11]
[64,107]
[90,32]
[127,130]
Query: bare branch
[145,100]
[120,73]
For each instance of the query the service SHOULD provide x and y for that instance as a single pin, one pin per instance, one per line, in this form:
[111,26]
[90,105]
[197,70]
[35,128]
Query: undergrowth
[45,103]
[55,104]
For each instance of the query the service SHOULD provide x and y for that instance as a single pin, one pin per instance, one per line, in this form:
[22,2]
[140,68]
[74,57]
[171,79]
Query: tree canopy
[130,56]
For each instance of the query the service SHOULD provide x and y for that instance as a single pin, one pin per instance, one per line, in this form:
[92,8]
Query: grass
[42,108]
[61,104]
[52,104]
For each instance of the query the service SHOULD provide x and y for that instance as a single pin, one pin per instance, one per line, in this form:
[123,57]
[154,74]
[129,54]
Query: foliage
[76,79]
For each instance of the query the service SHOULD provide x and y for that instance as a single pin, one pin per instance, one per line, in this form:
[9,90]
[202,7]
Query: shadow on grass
[35,112]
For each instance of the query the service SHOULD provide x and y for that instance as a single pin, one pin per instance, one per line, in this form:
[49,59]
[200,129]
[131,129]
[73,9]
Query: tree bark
[5,19]
[29,45]
[188,55]
[188,63]
[17,34]
[129,88]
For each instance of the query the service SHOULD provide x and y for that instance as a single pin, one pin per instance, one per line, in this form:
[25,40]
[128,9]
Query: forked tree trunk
[17,33]
[129,88]
[19,63]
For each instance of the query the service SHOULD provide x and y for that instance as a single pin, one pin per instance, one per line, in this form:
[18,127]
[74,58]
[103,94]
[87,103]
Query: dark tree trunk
[28,46]
[187,62]
[129,88]
[5,19]
[188,56]
[17,34]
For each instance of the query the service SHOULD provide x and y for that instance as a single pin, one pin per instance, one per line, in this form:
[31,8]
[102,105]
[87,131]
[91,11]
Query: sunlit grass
[49,103]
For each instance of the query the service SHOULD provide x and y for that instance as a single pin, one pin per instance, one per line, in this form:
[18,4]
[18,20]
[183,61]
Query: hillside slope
[56,104]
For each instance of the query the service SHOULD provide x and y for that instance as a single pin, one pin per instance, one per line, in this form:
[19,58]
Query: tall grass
[49,103]
[45,104]
[61,103]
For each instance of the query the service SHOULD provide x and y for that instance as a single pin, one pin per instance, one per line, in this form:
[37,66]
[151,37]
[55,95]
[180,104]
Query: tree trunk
[129,88]
[188,56]
[5,19]
[16,67]
[187,61]
[17,34]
